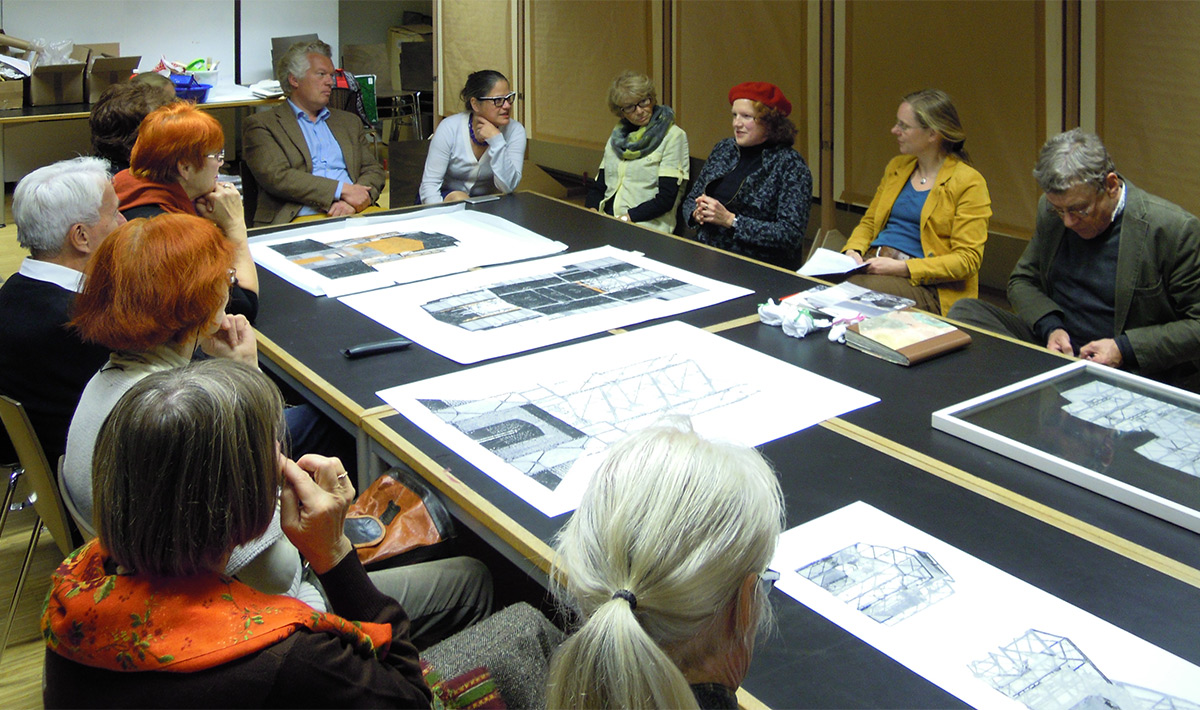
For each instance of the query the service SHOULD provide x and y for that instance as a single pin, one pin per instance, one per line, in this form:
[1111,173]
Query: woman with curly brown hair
[752,195]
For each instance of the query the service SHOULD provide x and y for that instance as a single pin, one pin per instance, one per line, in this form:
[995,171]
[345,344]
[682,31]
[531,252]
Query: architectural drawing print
[1177,430]
[885,583]
[574,289]
[542,431]
[351,257]
[1044,671]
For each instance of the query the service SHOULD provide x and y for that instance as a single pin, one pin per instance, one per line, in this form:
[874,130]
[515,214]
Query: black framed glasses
[644,103]
[499,101]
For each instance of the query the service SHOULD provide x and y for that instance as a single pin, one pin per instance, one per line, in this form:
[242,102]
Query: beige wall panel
[476,34]
[1148,99]
[576,49]
[987,55]
[721,43]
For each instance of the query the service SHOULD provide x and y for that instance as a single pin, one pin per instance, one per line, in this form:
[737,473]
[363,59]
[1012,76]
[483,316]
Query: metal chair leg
[14,477]
[12,607]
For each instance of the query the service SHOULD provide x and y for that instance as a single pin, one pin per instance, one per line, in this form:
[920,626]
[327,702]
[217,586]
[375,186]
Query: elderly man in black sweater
[63,211]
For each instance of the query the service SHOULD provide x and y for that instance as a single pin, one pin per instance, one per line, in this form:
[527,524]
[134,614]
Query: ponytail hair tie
[627,596]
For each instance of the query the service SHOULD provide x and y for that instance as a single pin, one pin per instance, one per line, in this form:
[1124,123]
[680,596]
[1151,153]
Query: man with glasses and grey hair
[1111,275]
[63,212]
[307,158]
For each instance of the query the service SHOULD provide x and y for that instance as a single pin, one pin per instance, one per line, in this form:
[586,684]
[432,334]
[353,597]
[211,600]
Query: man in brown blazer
[307,158]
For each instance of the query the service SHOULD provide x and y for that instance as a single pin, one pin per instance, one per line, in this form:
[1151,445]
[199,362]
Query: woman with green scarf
[645,161]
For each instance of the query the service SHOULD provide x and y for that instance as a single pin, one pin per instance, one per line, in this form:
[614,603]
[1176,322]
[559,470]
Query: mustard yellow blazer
[954,226]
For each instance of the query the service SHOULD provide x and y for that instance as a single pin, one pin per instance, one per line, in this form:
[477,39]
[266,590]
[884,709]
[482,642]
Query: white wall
[182,31]
[264,19]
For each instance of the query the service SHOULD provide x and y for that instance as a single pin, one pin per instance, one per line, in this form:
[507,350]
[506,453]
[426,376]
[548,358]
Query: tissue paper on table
[796,322]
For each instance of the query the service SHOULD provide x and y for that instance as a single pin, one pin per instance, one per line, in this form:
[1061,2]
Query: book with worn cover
[906,337]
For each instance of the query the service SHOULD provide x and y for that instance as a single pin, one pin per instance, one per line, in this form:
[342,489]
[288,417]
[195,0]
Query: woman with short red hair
[173,169]
[154,292]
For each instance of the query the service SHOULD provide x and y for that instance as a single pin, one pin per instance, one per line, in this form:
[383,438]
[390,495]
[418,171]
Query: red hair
[154,281]
[171,134]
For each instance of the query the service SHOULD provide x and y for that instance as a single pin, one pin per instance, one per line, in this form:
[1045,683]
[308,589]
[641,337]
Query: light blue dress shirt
[328,161]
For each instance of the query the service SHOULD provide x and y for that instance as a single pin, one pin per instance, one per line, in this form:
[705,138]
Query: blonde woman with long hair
[664,562]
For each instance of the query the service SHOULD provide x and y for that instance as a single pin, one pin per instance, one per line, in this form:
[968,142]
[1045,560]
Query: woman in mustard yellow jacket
[923,235]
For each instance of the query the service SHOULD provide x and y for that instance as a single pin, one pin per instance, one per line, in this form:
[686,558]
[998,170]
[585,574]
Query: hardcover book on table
[906,337]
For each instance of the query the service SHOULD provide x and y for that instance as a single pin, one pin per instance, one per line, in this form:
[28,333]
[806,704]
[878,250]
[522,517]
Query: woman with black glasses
[645,160]
[478,151]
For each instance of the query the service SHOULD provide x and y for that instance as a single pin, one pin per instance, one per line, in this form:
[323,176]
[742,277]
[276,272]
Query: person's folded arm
[508,158]
[672,172]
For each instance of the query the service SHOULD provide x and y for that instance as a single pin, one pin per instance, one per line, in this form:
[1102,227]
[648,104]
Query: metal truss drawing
[884,583]
[1044,671]
[576,288]
[351,257]
[1177,430]
[543,430]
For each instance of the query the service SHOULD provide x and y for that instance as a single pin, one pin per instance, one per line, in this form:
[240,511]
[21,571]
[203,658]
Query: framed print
[1123,436]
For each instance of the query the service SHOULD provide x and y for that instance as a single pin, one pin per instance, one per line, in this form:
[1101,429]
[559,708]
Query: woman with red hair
[173,169]
[154,291]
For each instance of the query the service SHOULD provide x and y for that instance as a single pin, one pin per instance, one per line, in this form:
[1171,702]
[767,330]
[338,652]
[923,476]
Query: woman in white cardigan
[479,151]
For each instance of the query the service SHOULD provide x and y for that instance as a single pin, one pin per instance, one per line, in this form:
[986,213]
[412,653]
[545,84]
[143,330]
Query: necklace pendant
[923,181]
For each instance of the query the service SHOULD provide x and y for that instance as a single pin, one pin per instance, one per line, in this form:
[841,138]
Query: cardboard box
[52,84]
[103,72]
[12,94]
[415,42]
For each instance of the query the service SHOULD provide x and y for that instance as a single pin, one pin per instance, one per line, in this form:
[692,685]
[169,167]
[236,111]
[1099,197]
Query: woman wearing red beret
[923,235]
[752,195]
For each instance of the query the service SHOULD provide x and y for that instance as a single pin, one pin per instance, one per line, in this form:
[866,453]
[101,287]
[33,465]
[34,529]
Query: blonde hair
[629,88]
[656,555]
[934,110]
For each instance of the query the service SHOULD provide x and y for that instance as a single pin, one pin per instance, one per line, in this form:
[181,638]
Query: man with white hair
[63,212]
[307,158]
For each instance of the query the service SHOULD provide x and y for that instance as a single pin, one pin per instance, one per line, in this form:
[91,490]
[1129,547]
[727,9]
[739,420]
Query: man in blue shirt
[307,158]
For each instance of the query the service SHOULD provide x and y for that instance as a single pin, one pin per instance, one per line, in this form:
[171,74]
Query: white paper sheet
[974,630]
[509,309]
[354,255]
[826,261]
[538,424]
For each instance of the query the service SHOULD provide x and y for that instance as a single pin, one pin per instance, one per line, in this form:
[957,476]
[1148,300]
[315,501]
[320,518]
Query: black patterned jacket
[771,205]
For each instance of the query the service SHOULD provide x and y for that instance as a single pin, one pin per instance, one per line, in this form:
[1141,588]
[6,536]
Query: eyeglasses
[904,127]
[219,156]
[1075,212]
[644,103]
[768,579]
[499,101]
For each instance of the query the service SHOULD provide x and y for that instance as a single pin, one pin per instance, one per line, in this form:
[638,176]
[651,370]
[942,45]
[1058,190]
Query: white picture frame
[1097,440]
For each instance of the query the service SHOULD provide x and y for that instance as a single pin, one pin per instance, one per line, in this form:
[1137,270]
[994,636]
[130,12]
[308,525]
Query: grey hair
[50,200]
[1070,159]
[678,522]
[294,62]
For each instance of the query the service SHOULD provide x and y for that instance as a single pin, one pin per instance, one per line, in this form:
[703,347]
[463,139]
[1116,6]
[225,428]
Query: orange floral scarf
[135,622]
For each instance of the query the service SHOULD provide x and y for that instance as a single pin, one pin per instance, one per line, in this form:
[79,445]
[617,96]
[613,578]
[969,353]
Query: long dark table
[1077,545]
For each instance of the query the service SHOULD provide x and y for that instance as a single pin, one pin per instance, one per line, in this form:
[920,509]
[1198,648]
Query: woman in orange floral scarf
[187,467]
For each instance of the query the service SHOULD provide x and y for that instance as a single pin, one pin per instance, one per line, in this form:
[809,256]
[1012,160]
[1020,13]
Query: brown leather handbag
[399,520]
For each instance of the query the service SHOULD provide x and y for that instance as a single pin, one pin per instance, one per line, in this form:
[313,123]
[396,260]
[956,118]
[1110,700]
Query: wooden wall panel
[1148,99]
[987,55]
[722,43]
[576,49]
[476,34]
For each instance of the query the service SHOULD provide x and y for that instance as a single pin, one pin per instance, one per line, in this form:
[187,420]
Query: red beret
[762,92]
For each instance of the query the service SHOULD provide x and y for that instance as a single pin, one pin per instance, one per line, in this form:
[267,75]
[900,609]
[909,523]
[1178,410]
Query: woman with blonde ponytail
[662,562]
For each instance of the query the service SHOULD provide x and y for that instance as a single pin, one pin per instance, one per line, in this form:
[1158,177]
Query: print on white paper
[371,252]
[538,424]
[509,309]
[977,632]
